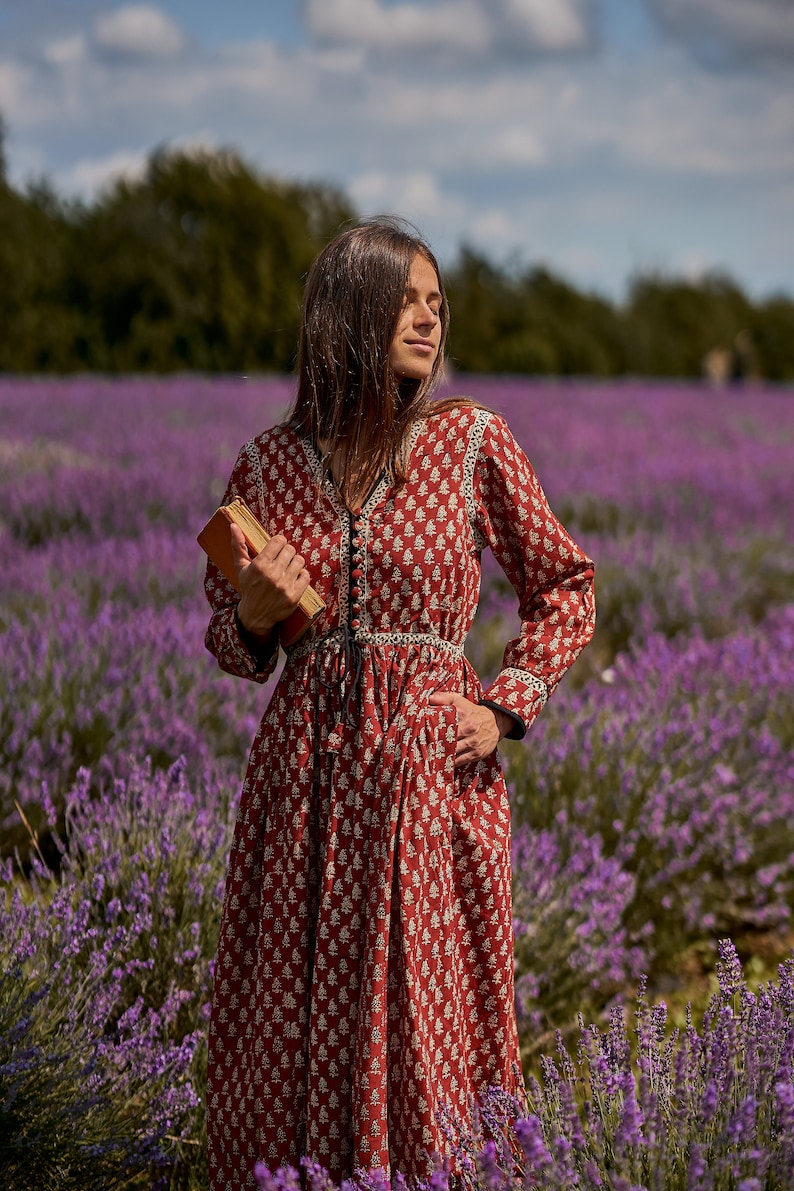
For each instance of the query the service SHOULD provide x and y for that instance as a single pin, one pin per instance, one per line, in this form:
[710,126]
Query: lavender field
[653,800]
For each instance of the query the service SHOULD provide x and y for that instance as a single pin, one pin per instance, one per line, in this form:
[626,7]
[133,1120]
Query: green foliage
[199,266]
[533,322]
[530,322]
[772,330]
[37,325]
[671,324]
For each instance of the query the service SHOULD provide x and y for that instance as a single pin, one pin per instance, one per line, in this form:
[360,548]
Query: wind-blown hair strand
[349,398]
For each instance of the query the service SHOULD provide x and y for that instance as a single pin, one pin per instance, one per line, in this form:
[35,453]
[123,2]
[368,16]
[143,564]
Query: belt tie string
[345,679]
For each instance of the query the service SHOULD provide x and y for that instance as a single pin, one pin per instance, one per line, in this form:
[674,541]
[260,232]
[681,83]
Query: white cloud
[13,81]
[585,163]
[137,31]
[92,174]
[300,113]
[692,263]
[741,28]
[514,145]
[706,126]
[452,24]
[500,122]
[413,195]
[495,227]
[545,25]
[66,50]
[477,27]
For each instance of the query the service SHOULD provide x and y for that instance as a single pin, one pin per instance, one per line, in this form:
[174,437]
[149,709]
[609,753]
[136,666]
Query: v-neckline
[328,484]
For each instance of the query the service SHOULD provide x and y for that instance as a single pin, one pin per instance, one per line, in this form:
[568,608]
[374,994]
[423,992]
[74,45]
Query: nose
[425,315]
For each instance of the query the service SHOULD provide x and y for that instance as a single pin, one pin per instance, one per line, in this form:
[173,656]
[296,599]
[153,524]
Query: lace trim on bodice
[469,467]
[255,459]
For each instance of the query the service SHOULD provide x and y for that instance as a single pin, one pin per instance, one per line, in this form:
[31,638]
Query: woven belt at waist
[338,637]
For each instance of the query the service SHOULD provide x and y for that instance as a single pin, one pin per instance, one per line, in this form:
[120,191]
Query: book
[215,541]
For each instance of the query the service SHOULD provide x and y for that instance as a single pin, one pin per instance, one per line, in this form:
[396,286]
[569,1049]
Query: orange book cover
[215,541]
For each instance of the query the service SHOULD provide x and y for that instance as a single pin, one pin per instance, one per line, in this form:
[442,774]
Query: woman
[365,967]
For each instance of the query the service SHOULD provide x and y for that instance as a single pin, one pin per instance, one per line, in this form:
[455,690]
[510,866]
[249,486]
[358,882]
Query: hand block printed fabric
[364,975]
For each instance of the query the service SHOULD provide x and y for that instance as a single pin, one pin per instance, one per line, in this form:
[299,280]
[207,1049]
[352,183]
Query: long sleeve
[226,639]
[552,577]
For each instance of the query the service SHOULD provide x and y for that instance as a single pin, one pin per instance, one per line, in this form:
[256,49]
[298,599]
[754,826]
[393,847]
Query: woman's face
[416,341]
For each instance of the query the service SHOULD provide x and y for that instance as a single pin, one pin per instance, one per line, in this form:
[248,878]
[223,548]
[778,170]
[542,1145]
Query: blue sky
[600,137]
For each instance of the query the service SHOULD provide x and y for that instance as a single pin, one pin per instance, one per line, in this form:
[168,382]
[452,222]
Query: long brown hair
[348,394]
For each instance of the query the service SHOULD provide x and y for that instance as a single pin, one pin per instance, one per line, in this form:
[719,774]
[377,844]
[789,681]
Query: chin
[415,372]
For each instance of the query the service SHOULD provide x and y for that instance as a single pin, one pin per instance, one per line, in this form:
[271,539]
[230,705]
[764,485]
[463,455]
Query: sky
[601,138]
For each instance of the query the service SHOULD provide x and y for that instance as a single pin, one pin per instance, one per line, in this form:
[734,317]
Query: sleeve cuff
[520,693]
[261,652]
[519,729]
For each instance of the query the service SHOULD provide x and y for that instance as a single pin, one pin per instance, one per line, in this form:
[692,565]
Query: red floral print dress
[365,963]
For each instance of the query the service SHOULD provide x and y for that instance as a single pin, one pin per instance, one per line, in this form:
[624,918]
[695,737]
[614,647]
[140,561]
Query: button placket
[356,568]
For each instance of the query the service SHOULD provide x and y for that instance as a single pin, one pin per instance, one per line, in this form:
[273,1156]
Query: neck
[358,486]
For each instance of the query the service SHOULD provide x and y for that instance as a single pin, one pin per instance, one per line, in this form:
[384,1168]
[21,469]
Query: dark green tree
[199,265]
[528,321]
[35,324]
[38,327]
[671,323]
[771,330]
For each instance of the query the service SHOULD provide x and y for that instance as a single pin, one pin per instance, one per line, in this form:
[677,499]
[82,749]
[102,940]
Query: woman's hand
[271,585]
[480,728]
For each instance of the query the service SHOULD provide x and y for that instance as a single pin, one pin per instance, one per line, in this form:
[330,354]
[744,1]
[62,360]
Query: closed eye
[434,300]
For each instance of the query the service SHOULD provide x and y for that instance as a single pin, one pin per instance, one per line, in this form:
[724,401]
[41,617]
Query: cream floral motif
[364,970]
[528,679]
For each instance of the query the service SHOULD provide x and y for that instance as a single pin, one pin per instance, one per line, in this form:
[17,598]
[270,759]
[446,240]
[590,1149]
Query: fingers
[278,559]
[240,555]
[478,731]
[278,547]
[448,699]
[272,583]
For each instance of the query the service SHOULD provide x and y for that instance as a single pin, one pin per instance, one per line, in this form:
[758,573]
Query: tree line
[199,265]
